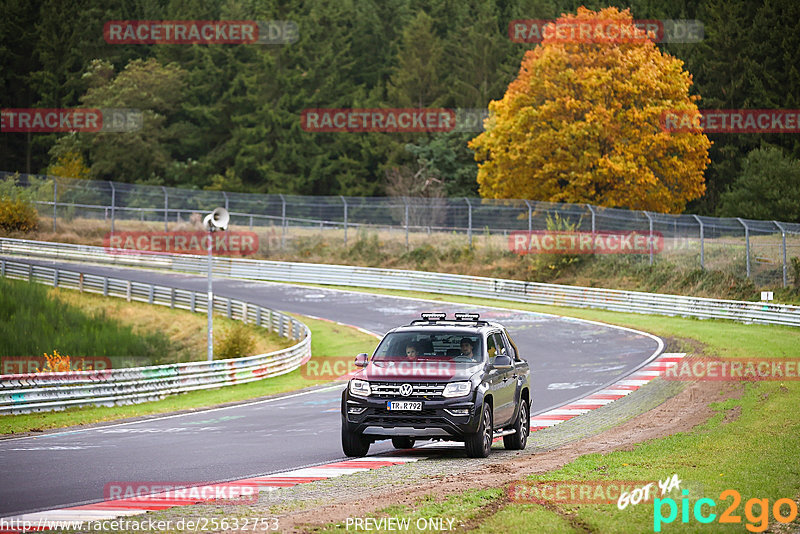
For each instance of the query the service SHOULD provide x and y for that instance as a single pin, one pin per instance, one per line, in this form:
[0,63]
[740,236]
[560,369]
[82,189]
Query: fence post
[594,228]
[469,221]
[650,236]
[746,244]
[783,249]
[283,220]
[405,202]
[113,203]
[530,217]
[166,207]
[55,203]
[344,200]
[55,278]
[225,196]
[702,242]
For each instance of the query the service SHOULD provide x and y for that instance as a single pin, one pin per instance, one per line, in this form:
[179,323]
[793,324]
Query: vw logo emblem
[406,390]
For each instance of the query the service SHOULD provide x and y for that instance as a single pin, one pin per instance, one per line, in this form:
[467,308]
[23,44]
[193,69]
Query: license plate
[410,406]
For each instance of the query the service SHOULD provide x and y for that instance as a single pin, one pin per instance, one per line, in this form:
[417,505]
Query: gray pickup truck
[461,380]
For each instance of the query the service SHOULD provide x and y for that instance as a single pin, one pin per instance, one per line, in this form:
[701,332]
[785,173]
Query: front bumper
[440,418]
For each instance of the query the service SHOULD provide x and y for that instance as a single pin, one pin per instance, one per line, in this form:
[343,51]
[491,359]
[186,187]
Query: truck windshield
[429,345]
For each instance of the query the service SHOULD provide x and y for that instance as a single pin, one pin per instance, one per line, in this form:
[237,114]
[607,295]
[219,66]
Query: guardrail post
[251,223]
[225,196]
[192,301]
[128,291]
[30,273]
[258,316]
[228,308]
[244,312]
[150,294]
[105,286]
[113,203]
[650,236]
[171,296]
[783,249]
[55,278]
[55,203]
[405,222]
[283,221]
[166,207]
[746,244]
[530,216]
[469,221]
[344,200]
[702,242]
[594,215]
[80,282]
[3,268]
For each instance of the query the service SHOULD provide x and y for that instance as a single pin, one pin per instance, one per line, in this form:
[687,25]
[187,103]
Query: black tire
[522,425]
[354,444]
[479,444]
[403,442]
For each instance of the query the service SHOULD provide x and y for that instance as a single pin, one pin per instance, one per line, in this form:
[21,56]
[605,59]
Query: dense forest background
[228,116]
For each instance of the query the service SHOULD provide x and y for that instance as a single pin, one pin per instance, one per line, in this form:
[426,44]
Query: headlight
[457,389]
[360,388]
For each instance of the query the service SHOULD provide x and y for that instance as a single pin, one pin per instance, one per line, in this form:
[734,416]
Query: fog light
[356,410]
[458,412]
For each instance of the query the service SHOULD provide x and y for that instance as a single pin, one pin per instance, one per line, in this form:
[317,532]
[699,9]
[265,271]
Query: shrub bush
[17,215]
[235,341]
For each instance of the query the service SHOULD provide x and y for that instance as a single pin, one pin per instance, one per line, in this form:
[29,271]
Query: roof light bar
[434,316]
[467,316]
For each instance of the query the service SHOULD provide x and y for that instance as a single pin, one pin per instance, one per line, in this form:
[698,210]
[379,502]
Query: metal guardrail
[23,393]
[449,284]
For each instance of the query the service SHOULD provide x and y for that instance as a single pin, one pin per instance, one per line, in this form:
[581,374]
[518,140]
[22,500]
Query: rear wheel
[354,444]
[479,444]
[403,442]
[522,425]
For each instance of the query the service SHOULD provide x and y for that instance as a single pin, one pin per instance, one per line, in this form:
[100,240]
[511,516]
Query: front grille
[385,390]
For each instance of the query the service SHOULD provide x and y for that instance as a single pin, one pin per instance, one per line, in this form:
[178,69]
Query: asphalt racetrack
[569,359]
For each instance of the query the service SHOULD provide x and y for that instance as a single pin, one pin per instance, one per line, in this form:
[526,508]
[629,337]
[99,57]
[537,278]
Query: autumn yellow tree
[582,121]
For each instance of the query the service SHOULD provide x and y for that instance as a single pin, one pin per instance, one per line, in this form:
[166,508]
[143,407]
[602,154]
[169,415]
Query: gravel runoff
[441,462]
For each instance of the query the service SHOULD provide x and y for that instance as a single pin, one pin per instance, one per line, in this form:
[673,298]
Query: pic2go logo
[756,522]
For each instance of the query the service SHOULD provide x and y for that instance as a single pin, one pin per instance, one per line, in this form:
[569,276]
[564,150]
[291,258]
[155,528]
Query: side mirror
[362,359]
[502,361]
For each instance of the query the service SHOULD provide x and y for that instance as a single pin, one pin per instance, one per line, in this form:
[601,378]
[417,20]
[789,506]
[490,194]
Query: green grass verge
[33,322]
[328,340]
[751,445]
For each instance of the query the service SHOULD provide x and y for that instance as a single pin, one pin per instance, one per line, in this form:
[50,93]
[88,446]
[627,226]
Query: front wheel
[522,425]
[354,444]
[479,444]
